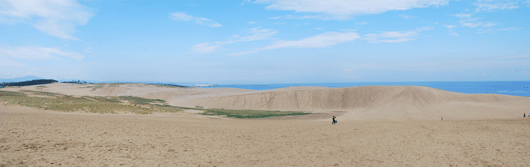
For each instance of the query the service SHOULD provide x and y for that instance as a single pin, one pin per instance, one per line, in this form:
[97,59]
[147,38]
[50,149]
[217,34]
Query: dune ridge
[357,103]
[372,102]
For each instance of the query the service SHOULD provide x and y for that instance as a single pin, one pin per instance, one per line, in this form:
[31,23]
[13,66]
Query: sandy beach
[497,136]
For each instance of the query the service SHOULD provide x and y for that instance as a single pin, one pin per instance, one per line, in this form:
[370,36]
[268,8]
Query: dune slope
[378,102]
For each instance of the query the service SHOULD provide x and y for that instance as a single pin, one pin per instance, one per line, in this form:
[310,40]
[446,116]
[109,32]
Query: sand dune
[378,102]
[36,137]
[170,94]
[357,103]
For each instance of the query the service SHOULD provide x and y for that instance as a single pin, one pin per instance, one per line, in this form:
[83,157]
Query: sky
[266,41]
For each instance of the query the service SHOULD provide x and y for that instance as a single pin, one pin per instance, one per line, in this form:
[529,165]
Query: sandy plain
[492,133]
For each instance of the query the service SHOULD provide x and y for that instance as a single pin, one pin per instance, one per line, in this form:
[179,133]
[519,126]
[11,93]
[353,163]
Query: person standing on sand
[334,120]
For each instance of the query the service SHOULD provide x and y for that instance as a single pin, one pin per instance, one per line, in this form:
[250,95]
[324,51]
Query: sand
[377,102]
[378,126]
[41,138]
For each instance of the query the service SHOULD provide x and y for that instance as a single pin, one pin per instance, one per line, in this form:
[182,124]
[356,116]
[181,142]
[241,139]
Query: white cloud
[57,18]
[407,16]
[483,31]
[181,16]
[395,36]
[318,41]
[289,17]
[253,34]
[37,53]
[453,34]
[509,29]
[489,24]
[252,22]
[342,9]
[362,23]
[462,15]
[204,48]
[471,23]
[494,5]
[318,28]
[450,26]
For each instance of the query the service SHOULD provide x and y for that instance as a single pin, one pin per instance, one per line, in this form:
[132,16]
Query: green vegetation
[60,102]
[103,85]
[113,104]
[42,93]
[139,100]
[11,94]
[250,113]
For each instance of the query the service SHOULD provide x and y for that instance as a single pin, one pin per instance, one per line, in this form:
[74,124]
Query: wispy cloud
[181,16]
[473,22]
[204,48]
[462,15]
[252,22]
[56,18]
[318,41]
[484,31]
[290,17]
[253,34]
[362,23]
[407,16]
[395,36]
[510,29]
[494,5]
[450,27]
[343,9]
[489,24]
[37,53]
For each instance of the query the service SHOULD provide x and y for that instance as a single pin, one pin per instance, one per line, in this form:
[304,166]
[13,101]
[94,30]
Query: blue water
[514,88]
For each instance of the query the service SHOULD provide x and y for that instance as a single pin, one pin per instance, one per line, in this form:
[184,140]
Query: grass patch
[253,114]
[90,104]
[100,86]
[11,94]
[42,93]
[103,105]
[139,100]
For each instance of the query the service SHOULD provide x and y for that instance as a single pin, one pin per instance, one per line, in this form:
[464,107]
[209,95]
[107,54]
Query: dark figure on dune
[334,120]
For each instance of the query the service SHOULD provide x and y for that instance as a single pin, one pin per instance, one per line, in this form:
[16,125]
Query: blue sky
[266,41]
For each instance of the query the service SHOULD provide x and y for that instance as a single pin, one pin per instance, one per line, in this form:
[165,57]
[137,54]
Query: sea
[513,88]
